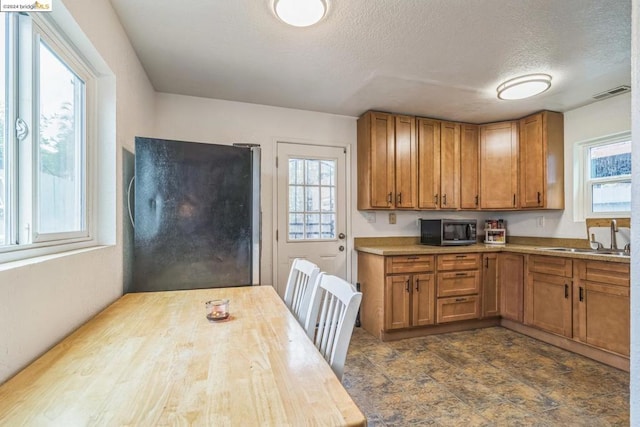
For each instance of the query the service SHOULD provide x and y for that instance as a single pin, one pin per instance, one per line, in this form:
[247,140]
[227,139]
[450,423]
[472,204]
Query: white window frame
[583,183]
[41,26]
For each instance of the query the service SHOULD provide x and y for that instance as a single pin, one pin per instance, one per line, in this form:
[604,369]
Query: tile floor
[485,377]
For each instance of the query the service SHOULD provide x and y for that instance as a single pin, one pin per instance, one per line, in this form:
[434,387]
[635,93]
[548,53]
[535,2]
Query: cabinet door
[532,162]
[499,165]
[469,167]
[549,303]
[490,289]
[428,163]
[603,318]
[449,165]
[458,308]
[406,166]
[541,148]
[382,160]
[423,298]
[396,302]
[511,280]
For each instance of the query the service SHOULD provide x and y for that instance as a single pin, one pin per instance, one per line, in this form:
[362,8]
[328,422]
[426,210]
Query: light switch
[392,217]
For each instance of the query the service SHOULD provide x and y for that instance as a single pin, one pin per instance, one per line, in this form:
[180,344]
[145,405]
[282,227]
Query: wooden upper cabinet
[420,163]
[406,167]
[541,147]
[428,163]
[449,165]
[499,165]
[387,161]
[438,164]
[469,167]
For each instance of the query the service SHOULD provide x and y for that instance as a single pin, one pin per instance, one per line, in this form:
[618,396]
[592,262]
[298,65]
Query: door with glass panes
[311,209]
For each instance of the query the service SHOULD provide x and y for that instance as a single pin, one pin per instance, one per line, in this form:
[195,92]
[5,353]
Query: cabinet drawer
[458,283]
[606,272]
[551,265]
[458,262]
[458,308]
[409,264]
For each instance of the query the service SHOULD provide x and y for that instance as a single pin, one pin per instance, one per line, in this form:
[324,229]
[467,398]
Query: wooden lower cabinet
[490,288]
[458,287]
[397,296]
[423,298]
[549,303]
[548,294]
[578,304]
[409,301]
[602,307]
[398,292]
[511,285]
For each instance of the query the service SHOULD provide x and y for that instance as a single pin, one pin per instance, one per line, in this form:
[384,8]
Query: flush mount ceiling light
[300,13]
[524,86]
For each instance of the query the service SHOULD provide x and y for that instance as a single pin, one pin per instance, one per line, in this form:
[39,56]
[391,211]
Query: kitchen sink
[569,250]
[588,251]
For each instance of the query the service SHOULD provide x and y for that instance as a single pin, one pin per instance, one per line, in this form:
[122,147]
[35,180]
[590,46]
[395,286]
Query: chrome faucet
[614,230]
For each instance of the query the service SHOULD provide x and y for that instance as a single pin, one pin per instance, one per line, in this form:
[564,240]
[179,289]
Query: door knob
[341,236]
[341,248]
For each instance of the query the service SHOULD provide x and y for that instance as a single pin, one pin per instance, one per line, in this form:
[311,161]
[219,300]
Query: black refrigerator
[197,215]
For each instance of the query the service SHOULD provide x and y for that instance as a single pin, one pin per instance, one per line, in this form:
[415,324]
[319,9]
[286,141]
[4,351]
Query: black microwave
[446,232]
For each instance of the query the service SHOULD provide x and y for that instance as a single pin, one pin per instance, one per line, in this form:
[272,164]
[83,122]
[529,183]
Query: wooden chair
[297,295]
[332,314]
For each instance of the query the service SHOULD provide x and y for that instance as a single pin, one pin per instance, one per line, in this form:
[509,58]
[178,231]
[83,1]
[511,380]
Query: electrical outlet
[392,217]
[540,222]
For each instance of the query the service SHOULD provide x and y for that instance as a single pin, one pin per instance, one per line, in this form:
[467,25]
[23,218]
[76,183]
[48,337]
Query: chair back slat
[332,313]
[302,279]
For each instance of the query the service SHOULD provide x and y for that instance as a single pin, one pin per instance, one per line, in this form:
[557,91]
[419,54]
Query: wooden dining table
[153,359]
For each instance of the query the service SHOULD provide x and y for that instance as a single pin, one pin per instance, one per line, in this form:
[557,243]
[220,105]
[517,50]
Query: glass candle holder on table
[217,310]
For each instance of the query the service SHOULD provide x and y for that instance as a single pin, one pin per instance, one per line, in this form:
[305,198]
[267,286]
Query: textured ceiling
[436,58]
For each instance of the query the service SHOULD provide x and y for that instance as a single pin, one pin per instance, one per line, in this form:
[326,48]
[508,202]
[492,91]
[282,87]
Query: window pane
[313,199]
[296,227]
[296,171]
[327,168]
[312,226]
[313,172]
[3,144]
[61,146]
[612,197]
[296,198]
[328,199]
[610,160]
[328,226]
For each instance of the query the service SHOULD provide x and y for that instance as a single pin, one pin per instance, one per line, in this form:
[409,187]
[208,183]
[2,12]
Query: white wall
[43,300]
[599,119]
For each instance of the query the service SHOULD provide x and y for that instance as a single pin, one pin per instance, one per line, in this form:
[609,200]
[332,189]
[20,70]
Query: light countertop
[417,249]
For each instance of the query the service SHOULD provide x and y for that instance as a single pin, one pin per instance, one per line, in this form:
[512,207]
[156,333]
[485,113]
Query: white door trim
[274,204]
